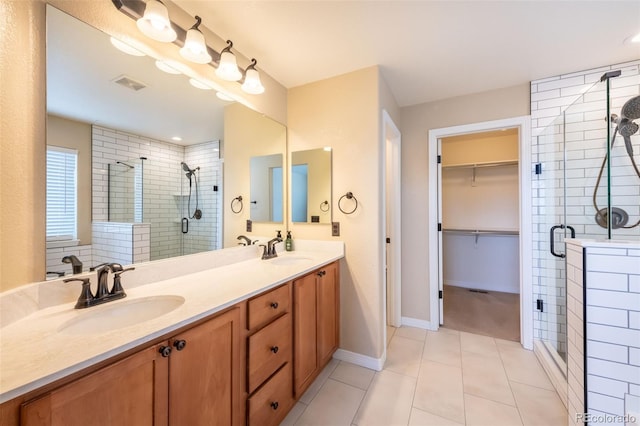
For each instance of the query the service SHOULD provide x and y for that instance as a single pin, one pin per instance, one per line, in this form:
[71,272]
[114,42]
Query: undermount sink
[289,260]
[123,314]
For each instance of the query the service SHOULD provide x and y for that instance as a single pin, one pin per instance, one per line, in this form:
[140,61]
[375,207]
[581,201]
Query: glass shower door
[570,178]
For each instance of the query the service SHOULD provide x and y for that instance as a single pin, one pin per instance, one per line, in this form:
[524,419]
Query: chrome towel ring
[237,200]
[348,196]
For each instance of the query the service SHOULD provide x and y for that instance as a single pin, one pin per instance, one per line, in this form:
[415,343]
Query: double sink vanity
[221,337]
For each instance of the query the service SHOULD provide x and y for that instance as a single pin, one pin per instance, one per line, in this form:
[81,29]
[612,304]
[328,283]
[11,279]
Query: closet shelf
[477,232]
[479,165]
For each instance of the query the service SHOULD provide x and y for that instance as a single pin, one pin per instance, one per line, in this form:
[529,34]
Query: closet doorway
[480,256]
[479,195]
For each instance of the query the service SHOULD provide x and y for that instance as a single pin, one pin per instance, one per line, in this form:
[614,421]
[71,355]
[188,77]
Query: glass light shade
[155,23]
[195,49]
[125,48]
[228,68]
[252,84]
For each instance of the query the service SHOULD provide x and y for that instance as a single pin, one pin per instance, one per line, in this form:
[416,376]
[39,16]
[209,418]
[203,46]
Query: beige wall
[76,135]
[344,112]
[416,121]
[23,150]
[247,134]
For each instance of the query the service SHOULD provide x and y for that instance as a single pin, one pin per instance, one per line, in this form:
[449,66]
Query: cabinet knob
[275,349]
[179,344]
[274,405]
[274,305]
[165,351]
[319,274]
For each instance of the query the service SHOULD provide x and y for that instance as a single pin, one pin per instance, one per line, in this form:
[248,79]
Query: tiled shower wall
[204,233]
[163,177]
[585,136]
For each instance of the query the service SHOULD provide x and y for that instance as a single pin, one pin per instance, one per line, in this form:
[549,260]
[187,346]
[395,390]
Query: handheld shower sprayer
[191,173]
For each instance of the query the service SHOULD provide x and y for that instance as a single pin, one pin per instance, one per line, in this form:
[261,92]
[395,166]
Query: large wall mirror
[151,151]
[311,186]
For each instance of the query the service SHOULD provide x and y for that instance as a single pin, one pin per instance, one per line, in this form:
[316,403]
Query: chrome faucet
[247,241]
[76,265]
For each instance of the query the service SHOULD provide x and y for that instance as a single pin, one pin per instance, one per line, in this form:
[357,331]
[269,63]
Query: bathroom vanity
[247,340]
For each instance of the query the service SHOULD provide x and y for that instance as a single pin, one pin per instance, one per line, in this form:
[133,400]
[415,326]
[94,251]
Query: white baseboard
[418,323]
[359,359]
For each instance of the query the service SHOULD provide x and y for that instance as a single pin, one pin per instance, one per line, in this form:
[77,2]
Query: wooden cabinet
[269,348]
[204,376]
[132,391]
[193,378]
[316,307]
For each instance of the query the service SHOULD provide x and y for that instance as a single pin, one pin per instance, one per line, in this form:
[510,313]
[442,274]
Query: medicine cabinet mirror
[311,186]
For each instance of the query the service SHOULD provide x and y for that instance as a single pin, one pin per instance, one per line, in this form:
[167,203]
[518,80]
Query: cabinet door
[132,392]
[204,376]
[305,359]
[328,313]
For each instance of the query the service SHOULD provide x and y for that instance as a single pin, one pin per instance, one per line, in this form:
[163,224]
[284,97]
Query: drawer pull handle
[274,305]
[180,344]
[275,349]
[321,273]
[165,351]
[274,405]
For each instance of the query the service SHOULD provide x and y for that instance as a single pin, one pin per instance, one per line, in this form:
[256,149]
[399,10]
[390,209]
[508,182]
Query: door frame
[391,211]
[523,123]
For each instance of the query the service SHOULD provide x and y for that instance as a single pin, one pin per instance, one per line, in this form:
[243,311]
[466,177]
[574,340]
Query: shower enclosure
[175,193]
[586,184]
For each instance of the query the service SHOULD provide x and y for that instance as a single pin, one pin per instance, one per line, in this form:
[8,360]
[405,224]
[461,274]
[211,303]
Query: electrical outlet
[249,225]
[335,229]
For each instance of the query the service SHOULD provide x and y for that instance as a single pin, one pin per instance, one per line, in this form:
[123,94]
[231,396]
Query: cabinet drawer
[272,402]
[264,308]
[269,348]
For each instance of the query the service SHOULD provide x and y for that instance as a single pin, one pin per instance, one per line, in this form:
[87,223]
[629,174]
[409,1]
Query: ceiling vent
[129,83]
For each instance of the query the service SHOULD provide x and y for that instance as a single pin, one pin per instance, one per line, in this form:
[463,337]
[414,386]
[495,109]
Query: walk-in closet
[480,233]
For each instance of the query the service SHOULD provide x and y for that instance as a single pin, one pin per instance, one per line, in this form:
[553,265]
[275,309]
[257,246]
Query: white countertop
[34,353]
[603,243]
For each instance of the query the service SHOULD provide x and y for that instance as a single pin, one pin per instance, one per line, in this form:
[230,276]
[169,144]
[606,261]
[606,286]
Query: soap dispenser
[288,243]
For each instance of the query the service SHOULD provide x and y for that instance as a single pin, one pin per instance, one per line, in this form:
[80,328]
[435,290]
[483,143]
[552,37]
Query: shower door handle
[552,240]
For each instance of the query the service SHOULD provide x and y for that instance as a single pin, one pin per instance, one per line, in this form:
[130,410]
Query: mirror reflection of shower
[193,179]
[125,198]
[625,127]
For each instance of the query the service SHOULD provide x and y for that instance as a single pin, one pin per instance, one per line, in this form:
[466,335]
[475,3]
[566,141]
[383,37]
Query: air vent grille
[129,83]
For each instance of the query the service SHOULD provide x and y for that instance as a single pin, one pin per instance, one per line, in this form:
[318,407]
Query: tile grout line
[509,383]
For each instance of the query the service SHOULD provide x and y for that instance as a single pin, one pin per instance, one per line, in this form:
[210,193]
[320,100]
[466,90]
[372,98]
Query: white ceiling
[427,50]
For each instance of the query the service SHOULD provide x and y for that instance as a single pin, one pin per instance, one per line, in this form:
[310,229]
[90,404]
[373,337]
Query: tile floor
[443,378]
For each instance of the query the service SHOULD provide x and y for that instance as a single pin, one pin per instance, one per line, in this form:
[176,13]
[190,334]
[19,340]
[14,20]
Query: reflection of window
[61,193]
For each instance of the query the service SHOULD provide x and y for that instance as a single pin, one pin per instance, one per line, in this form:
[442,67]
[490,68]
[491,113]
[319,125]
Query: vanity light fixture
[195,48]
[252,84]
[125,47]
[199,84]
[228,67]
[155,22]
[167,67]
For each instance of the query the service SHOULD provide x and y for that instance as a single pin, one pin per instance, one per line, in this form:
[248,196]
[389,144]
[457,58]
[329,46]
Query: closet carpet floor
[492,314]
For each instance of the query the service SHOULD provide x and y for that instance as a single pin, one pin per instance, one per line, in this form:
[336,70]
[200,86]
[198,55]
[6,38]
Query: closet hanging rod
[479,165]
[479,232]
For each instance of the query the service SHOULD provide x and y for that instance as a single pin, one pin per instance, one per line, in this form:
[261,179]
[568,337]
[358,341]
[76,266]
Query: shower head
[186,168]
[631,108]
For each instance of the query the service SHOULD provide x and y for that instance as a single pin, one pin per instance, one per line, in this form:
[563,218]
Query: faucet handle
[86,297]
[117,285]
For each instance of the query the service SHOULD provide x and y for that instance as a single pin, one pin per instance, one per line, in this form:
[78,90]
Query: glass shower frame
[572,150]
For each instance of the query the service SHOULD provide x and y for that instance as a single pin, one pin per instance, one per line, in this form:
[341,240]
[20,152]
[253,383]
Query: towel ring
[238,199]
[349,196]
[324,203]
